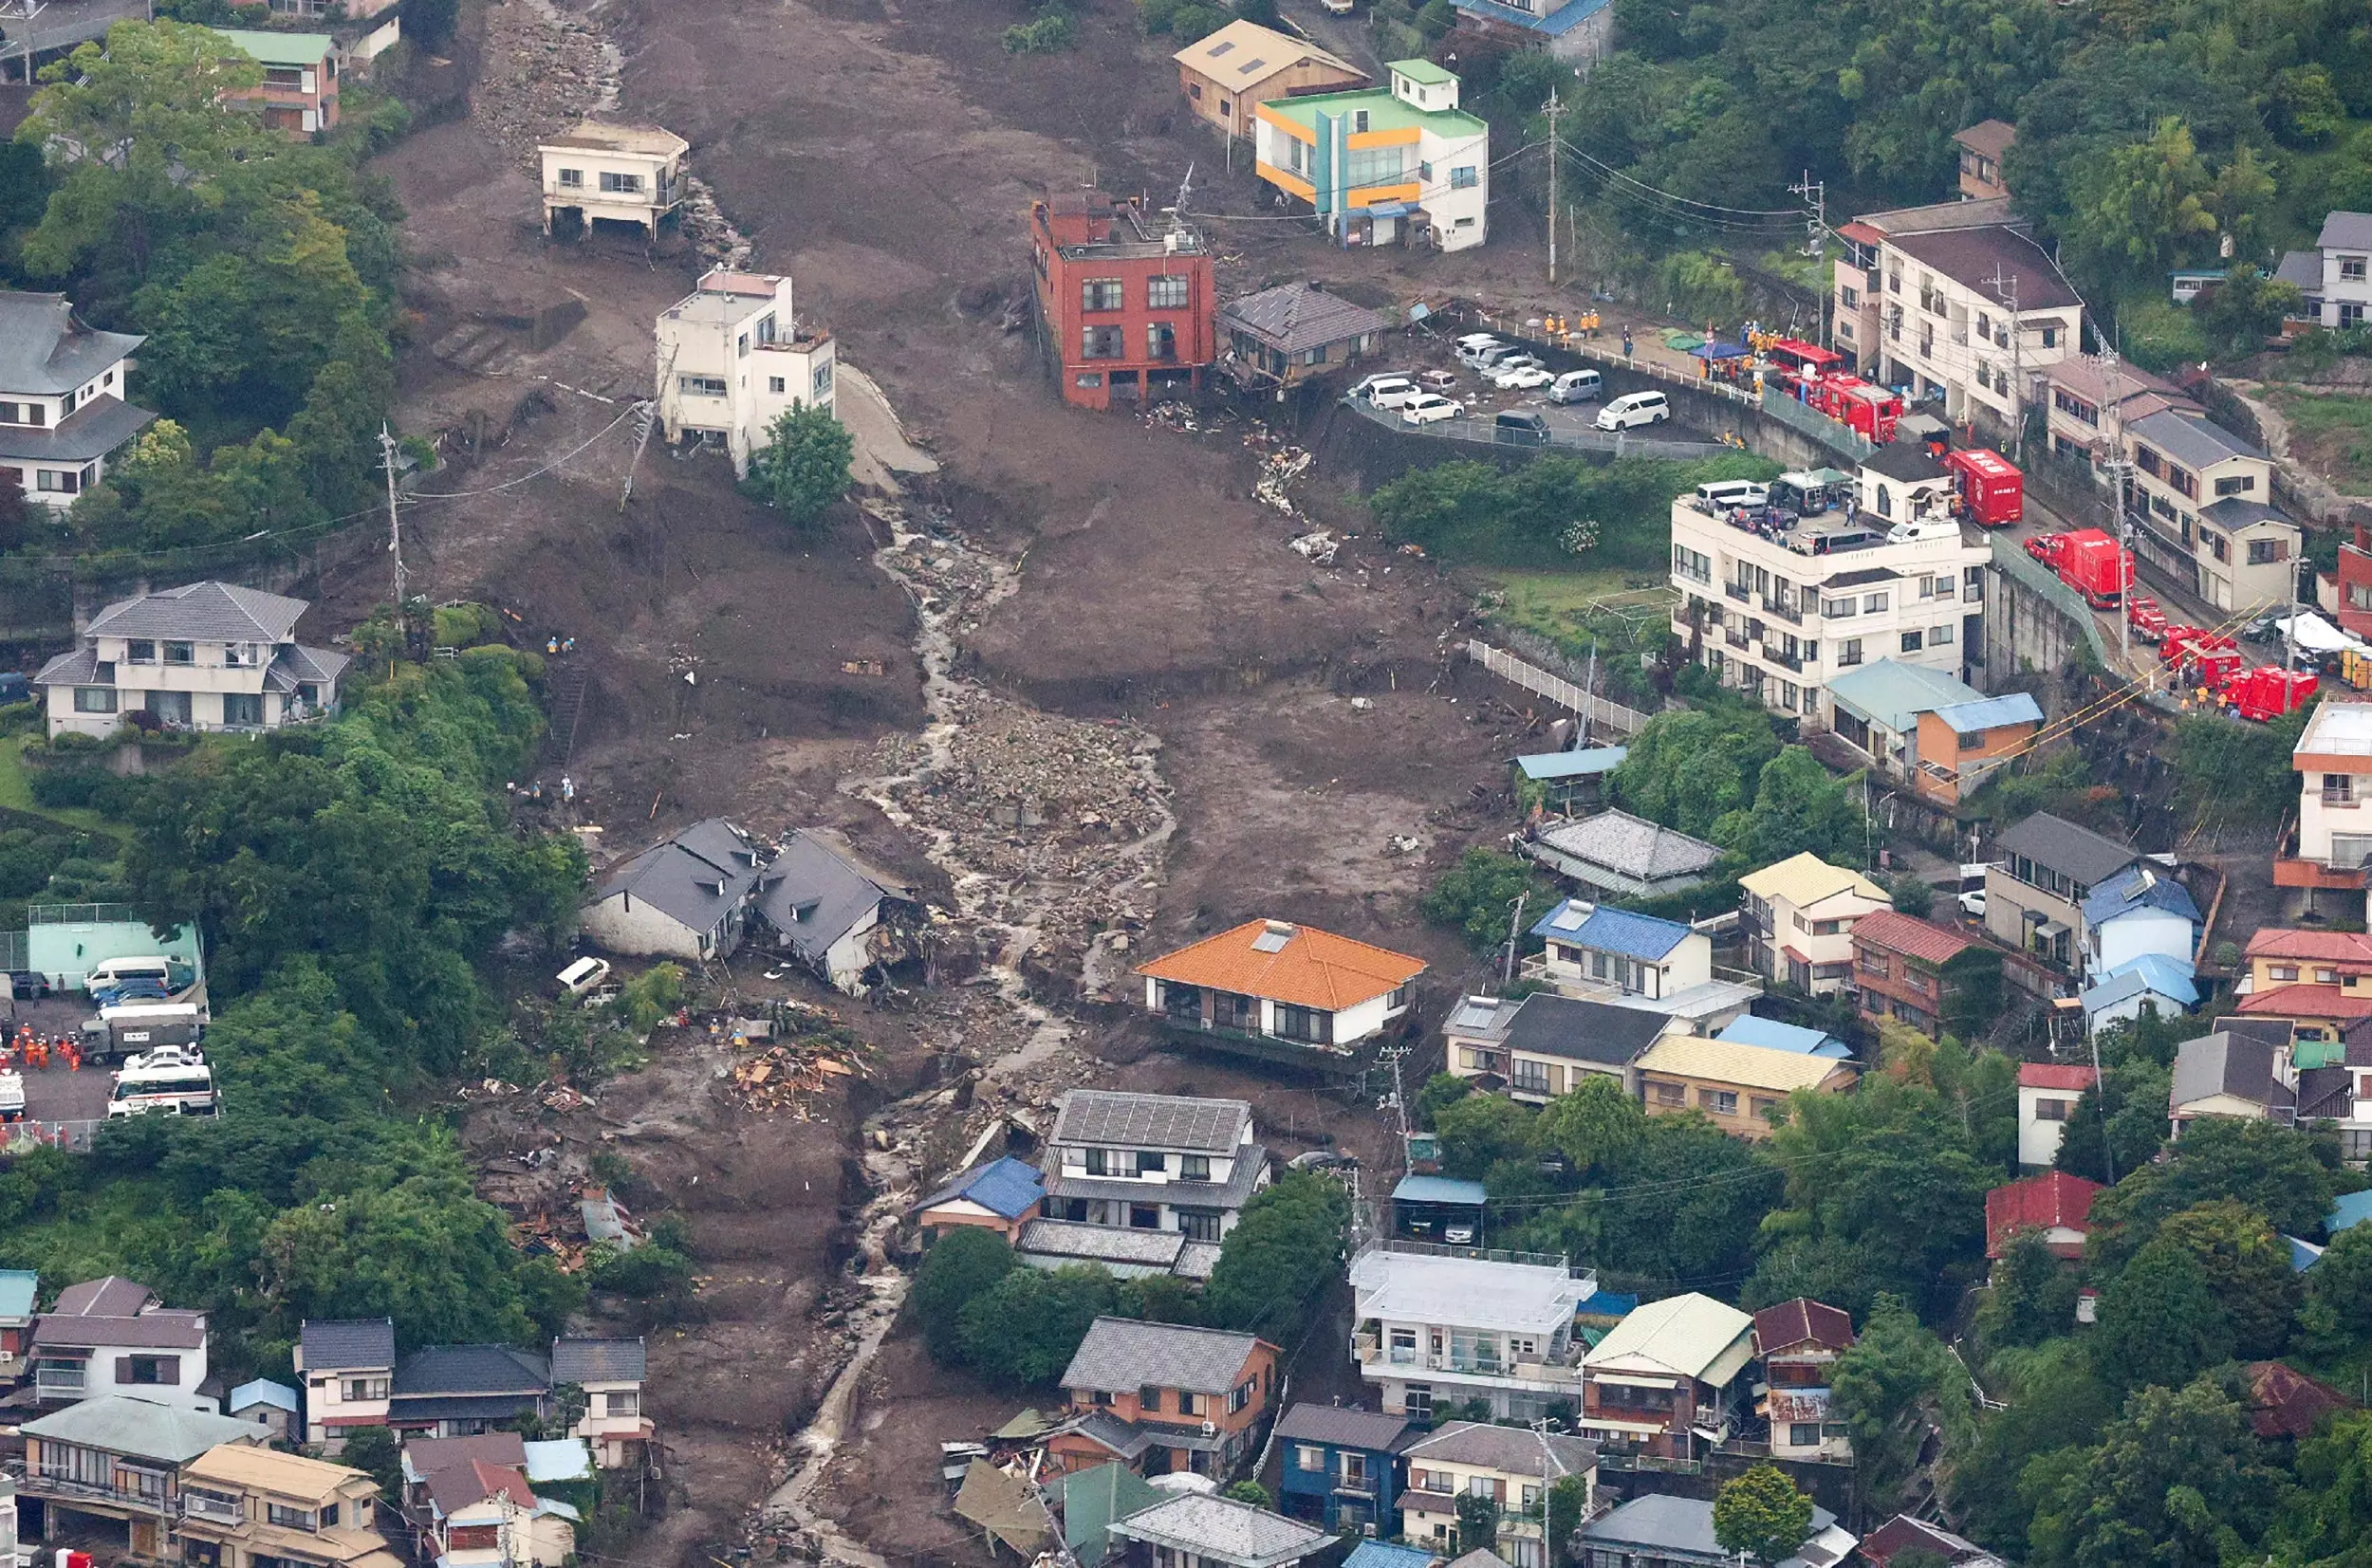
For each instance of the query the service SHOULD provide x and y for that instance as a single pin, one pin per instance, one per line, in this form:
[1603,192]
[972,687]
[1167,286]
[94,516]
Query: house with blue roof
[1772,1035]
[2139,909]
[1927,728]
[2151,980]
[1622,957]
[1002,1195]
[1565,779]
[2348,1210]
[269,1405]
[1957,746]
[1573,32]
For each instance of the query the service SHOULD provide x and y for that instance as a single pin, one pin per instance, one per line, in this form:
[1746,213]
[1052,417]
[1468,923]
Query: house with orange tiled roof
[1280,991]
[2319,980]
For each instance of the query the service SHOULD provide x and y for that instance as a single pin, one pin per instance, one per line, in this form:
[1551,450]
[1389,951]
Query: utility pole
[2009,291]
[2117,469]
[1815,195]
[1554,108]
[1506,970]
[1548,1463]
[394,519]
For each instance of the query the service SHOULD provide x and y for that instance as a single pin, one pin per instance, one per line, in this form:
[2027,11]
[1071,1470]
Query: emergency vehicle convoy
[173,1079]
[2088,561]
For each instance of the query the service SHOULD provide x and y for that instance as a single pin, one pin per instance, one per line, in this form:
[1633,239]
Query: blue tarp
[1573,764]
[1007,1187]
[2354,1209]
[1773,1035]
[1717,350]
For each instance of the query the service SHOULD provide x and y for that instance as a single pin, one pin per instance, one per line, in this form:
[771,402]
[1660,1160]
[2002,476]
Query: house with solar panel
[1542,1045]
[1640,960]
[1143,1184]
[1281,992]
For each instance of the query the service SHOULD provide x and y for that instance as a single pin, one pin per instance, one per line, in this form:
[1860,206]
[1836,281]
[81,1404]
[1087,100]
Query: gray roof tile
[1514,1449]
[2197,443]
[817,891]
[2345,231]
[215,612]
[2060,845]
[45,350]
[1631,845]
[697,877]
[1576,1030]
[598,1361]
[1295,318]
[1122,1354]
[118,1424]
[96,428]
[347,1344]
[1221,1529]
[1151,1121]
[471,1369]
[1342,1426]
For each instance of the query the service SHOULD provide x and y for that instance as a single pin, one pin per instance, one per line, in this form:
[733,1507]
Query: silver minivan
[1577,386]
[1634,409]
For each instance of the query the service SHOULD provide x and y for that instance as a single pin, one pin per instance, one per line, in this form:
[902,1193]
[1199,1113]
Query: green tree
[1895,1370]
[1251,1492]
[2144,207]
[2159,1324]
[2032,1297]
[2284,1174]
[1912,893]
[2327,1517]
[2336,1319]
[1477,1523]
[2178,1482]
[2055,1405]
[1477,897]
[1481,1130]
[804,465]
[1023,1331]
[429,24]
[1760,1514]
[2133,1094]
[1440,1092]
[1691,769]
[375,1452]
[1798,805]
[2248,1271]
[2240,313]
[960,1266]
[1281,1255]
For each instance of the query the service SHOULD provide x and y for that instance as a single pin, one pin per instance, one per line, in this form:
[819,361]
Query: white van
[1721,494]
[1471,351]
[172,1078]
[1393,391]
[583,975]
[1634,409]
[1577,386]
[109,971]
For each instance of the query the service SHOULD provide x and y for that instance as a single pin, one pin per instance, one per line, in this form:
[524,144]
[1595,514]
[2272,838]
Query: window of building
[1102,294]
[1161,341]
[1911,641]
[139,651]
[2351,269]
[823,382]
[2283,972]
[1314,356]
[149,1371]
[1101,342]
[572,179]
[1939,636]
[93,699]
[1872,603]
[2217,544]
[1194,90]
[2339,788]
[1875,963]
[2051,337]
[1803,1434]
[701,386]
[287,1517]
[1194,1168]
[1167,291]
[1238,1398]
[774,385]
[2053,1109]
[2266,552]
[1761,1106]
[2326,977]
[1849,652]
[2238,483]
[1463,178]
[57,481]
[623,185]
[361,1389]
[1672,1093]
[1307,1456]
[1722,1103]
[1305,1024]
[243,708]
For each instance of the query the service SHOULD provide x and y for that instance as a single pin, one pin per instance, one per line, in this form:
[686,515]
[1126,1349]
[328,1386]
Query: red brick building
[1125,302]
[2355,582]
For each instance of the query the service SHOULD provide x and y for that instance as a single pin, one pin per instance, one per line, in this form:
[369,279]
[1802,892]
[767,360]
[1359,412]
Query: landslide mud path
[1018,1043]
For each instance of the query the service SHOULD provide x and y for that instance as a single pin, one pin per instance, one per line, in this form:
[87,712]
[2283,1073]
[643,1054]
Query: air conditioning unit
[1210,1429]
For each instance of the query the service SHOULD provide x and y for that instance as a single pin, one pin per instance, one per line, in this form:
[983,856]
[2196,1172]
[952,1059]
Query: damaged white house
[833,912]
[732,360]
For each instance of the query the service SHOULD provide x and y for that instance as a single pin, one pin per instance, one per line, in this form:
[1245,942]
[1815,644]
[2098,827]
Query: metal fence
[1479,433]
[23,1137]
[1843,440]
[79,915]
[1594,710]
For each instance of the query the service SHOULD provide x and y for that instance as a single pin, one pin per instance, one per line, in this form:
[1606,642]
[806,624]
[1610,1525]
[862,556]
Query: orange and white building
[2332,841]
[1382,166]
[1275,987]
[2321,981]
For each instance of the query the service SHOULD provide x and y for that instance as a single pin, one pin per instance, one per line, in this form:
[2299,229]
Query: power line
[1792,216]
[533,473]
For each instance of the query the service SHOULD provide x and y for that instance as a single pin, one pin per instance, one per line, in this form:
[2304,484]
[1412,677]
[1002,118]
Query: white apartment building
[2333,759]
[205,655]
[62,413]
[732,359]
[1427,1326]
[1383,165]
[1776,613]
[1954,308]
[2199,498]
[1153,1162]
[2344,252]
[613,173]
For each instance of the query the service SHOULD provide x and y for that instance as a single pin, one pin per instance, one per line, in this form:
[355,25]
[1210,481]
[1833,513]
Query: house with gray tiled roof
[688,896]
[1193,1399]
[62,414]
[1143,1184]
[347,1368]
[611,1373]
[116,1335]
[1615,854]
[205,655]
[1287,335]
[1209,1531]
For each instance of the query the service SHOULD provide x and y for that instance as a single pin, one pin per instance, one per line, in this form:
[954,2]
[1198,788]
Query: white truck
[11,1097]
[130,1026]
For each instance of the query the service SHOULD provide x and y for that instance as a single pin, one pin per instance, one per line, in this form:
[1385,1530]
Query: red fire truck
[2268,692]
[2088,561]
[1991,491]
[1797,361]
[2202,658]
[1856,404]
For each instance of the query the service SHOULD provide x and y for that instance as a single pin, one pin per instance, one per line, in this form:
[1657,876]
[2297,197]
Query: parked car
[1471,350]
[1426,408]
[1367,386]
[1442,382]
[1972,904]
[1336,7]
[1514,362]
[1396,393]
[1519,429]
[1577,386]
[582,976]
[1522,379]
[25,985]
[1634,409]
[1721,494]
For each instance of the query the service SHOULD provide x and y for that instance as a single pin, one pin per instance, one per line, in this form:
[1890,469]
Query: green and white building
[1402,165]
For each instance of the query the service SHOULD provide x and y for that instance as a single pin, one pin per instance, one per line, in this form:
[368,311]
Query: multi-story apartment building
[604,172]
[299,93]
[1512,1468]
[2093,399]
[2347,593]
[1773,614]
[1153,1162]
[732,359]
[2199,500]
[62,414]
[2332,841]
[1664,1379]
[246,1506]
[1126,300]
[1385,165]
[1427,1327]
[2336,275]
[1858,318]
[1798,919]
[1166,1396]
[205,655]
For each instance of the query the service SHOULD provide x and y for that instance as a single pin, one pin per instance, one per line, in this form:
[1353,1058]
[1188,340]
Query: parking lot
[1570,425]
[58,1093]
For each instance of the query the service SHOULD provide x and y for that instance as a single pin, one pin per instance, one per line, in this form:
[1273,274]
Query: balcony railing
[211,1510]
[1738,590]
[1786,612]
[1786,660]
[85,1491]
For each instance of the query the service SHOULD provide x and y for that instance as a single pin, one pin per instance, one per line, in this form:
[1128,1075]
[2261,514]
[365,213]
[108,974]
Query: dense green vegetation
[262,272]
[346,875]
[2146,133]
[1018,1328]
[1550,511]
[804,465]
